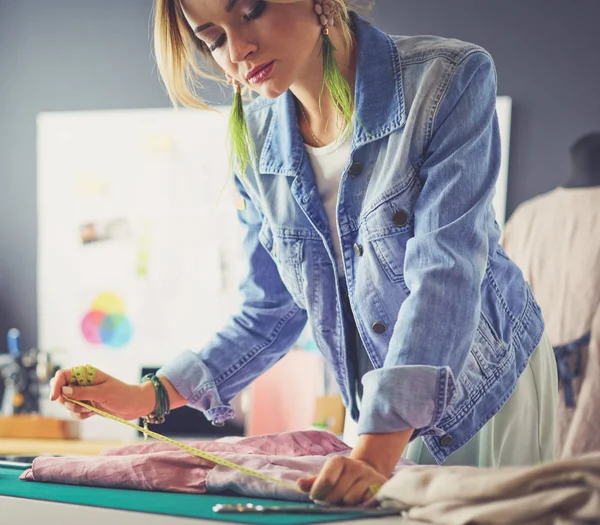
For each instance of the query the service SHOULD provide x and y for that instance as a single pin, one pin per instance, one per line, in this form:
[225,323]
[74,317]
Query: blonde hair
[176,49]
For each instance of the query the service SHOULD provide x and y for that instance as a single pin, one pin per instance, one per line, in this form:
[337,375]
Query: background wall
[83,54]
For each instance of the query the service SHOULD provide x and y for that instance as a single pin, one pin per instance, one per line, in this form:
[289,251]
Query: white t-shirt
[328,163]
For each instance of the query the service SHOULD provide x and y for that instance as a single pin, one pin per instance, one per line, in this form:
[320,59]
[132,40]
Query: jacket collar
[378,100]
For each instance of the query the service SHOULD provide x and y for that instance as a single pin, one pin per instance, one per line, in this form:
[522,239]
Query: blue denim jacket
[446,318]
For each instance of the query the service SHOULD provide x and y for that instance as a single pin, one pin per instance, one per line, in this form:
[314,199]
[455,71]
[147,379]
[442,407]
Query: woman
[366,171]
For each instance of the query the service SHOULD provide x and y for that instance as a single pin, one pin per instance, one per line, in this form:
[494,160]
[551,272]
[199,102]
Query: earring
[339,90]
[327,10]
[241,144]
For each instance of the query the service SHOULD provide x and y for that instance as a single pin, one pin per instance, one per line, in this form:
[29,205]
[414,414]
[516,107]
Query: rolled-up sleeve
[445,261]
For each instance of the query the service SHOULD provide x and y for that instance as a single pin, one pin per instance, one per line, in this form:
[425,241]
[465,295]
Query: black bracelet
[162,406]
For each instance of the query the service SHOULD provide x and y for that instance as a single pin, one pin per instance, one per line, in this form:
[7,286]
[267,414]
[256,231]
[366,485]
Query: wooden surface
[36,426]
[330,413]
[31,447]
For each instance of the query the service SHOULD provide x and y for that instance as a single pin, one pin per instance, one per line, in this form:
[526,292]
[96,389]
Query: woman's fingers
[359,493]
[84,415]
[306,484]
[85,393]
[344,481]
[61,379]
[76,408]
[328,480]
[106,393]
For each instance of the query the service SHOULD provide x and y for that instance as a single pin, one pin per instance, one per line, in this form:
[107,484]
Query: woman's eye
[258,10]
[217,43]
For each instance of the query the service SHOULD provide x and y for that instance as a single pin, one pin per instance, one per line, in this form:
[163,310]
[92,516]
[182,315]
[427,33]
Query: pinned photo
[114,229]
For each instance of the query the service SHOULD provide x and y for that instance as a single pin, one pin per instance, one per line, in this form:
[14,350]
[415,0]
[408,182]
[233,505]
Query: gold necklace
[319,143]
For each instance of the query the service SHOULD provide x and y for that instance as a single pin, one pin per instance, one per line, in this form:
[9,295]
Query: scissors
[15,464]
[250,508]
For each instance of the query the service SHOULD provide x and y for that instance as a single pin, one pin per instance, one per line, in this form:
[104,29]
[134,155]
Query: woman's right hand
[108,394]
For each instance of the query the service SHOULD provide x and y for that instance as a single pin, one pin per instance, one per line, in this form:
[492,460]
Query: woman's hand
[344,481]
[108,394]
[356,479]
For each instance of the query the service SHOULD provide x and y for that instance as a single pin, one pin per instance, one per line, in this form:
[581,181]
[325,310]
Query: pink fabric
[159,466]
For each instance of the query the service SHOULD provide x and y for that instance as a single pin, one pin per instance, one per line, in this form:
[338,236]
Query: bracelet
[162,407]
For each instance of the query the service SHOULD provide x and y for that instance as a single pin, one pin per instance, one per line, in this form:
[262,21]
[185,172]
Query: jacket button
[355,168]
[400,218]
[378,327]
[445,441]
[358,250]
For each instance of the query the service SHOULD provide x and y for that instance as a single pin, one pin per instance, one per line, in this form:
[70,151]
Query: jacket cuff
[193,380]
[401,397]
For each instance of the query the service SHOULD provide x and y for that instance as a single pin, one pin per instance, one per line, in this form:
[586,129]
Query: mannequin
[555,240]
[585,162]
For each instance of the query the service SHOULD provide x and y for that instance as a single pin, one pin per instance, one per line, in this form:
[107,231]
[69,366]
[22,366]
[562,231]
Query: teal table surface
[184,505]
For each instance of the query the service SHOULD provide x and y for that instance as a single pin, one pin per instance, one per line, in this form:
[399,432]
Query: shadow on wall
[3,325]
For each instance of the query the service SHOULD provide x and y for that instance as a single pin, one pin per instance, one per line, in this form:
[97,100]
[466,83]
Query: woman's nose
[240,49]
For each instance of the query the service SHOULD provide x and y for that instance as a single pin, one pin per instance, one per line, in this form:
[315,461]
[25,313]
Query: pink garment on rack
[159,466]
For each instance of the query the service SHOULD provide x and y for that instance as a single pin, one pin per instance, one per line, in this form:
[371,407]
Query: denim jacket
[446,318]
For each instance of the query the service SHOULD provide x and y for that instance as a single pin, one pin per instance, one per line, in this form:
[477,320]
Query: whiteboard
[504,111]
[139,249]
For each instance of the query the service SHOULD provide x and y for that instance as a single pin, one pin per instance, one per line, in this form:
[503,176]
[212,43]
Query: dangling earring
[241,144]
[339,90]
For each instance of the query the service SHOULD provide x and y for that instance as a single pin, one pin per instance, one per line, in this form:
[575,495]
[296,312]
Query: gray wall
[547,54]
[84,54]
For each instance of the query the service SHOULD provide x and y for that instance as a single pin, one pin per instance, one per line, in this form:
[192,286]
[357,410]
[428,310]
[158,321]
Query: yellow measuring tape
[86,375]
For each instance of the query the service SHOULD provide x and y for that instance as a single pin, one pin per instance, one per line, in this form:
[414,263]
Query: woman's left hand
[356,479]
[344,481]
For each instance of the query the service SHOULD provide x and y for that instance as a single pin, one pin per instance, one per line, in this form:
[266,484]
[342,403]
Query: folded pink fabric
[159,466]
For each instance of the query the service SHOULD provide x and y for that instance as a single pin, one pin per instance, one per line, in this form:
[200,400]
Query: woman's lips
[260,74]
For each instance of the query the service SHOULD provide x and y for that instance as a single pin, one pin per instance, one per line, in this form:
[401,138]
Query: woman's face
[265,45]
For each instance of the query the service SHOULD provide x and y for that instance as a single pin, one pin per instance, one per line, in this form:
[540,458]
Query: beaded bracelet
[162,407]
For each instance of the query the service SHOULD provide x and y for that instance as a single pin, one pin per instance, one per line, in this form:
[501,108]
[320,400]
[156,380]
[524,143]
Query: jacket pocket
[487,356]
[488,342]
[287,253]
[389,225]
[390,252]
